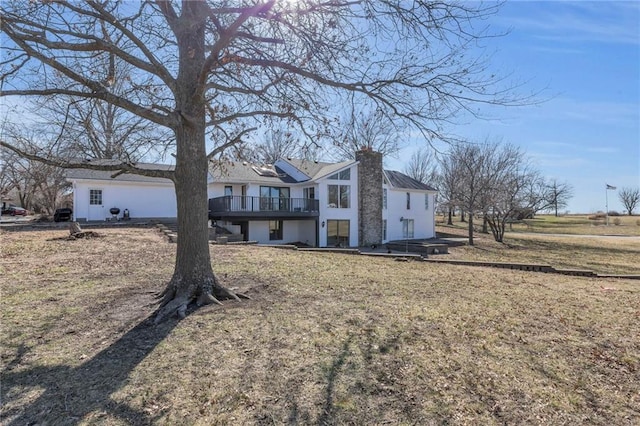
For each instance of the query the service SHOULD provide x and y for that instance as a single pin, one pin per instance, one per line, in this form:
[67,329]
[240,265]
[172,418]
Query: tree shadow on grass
[71,393]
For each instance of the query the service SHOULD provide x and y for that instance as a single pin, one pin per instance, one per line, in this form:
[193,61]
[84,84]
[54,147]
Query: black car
[62,215]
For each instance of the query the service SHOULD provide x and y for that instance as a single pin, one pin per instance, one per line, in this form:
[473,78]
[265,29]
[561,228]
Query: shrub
[617,221]
[638,222]
[597,216]
[614,213]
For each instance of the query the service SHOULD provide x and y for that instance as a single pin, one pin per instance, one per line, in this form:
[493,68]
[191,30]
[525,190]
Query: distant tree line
[491,181]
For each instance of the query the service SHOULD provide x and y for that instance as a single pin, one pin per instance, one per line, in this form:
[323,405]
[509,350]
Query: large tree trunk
[450,219]
[470,227]
[193,278]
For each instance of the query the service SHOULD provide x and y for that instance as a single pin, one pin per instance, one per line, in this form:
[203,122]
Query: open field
[601,254]
[327,339]
[572,224]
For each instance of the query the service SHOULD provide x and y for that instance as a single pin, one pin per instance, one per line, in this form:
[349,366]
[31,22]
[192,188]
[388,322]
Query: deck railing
[240,203]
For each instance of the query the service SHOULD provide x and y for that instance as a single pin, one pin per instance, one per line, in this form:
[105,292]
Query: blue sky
[586,57]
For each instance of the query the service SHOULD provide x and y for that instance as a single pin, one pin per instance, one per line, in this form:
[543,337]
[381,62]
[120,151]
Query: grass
[581,224]
[570,224]
[327,339]
[608,255]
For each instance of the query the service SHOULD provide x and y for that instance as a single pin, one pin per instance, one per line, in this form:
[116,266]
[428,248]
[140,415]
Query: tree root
[175,303]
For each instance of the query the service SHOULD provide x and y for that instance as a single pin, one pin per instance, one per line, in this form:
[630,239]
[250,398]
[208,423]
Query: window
[339,196]
[384,198]
[228,190]
[275,230]
[408,201]
[337,233]
[309,193]
[426,201]
[95,197]
[273,198]
[384,229]
[407,228]
[343,175]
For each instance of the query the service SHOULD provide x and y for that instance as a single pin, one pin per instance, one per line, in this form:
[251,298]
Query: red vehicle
[14,210]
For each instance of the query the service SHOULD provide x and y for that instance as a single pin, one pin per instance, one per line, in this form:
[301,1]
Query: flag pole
[606,203]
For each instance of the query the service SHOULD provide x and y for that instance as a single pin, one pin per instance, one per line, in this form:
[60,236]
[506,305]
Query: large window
[228,190]
[407,228]
[408,200]
[95,197]
[275,230]
[273,198]
[337,233]
[384,229]
[384,198]
[343,175]
[339,196]
[426,201]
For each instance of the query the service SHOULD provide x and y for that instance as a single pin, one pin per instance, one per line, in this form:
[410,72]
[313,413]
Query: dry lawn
[601,254]
[572,224]
[327,339]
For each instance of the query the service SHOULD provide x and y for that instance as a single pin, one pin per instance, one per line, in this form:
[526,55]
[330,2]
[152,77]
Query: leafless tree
[557,196]
[37,186]
[92,128]
[472,169]
[629,197]
[277,143]
[515,193]
[448,180]
[219,70]
[493,178]
[368,130]
[422,166]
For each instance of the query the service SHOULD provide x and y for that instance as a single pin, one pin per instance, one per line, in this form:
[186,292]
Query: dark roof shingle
[402,181]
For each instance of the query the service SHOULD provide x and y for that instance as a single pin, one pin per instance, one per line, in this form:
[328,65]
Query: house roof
[126,177]
[401,181]
[318,169]
[242,171]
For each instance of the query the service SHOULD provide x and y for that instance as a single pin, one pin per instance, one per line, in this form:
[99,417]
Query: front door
[96,205]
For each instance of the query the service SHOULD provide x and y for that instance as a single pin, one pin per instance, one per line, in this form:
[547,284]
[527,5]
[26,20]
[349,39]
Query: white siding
[143,200]
[329,213]
[424,220]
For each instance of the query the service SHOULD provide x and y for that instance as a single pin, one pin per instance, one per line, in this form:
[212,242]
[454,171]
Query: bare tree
[629,197]
[422,166]
[557,196]
[277,143]
[221,69]
[494,179]
[368,130]
[472,168]
[516,190]
[448,180]
[92,128]
[38,186]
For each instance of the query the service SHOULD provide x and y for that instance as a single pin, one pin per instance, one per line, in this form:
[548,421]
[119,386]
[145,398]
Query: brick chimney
[369,197]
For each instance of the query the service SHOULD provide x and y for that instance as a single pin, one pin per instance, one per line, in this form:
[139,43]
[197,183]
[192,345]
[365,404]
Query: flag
[610,186]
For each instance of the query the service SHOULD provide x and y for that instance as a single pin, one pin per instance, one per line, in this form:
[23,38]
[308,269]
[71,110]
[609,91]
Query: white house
[352,203]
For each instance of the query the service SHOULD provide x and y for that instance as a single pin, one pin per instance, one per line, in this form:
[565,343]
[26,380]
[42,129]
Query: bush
[617,221]
[638,222]
[598,216]
[614,213]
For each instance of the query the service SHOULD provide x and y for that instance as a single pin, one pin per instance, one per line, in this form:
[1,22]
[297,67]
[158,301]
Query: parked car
[62,215]
[14,211]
